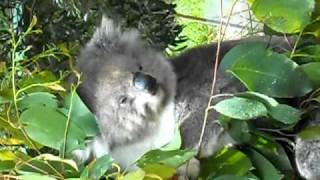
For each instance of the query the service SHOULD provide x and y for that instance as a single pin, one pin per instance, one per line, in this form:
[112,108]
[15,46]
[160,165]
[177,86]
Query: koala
[130,89]
[139,97]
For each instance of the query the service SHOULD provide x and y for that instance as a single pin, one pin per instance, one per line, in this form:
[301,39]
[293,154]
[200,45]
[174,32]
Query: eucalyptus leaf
[310,133]
[35,176]
[273,151]
[285,114]
[172,158]
[229,177]
[227,161]
[263,167]
[241,108]
[264,71]
[308,54]
[279,112]
[37,78]
[81,115]
[7,165]
[162,171]
[47,126]
[289,16]
[99,167]
[38,99]
[313,72]
[135,175]
[49,165]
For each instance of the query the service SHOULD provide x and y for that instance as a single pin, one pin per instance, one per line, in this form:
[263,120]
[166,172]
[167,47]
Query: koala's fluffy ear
[109,35]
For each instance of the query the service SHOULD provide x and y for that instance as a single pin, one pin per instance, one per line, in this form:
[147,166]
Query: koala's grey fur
[144,120]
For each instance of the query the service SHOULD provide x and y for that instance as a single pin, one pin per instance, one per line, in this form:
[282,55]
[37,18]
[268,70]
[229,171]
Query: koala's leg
[190,170]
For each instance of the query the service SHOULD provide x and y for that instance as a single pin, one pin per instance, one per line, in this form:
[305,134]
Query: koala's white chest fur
[125,155]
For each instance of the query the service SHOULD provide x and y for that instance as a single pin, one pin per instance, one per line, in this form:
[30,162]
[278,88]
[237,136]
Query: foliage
[41,112]
[205,33]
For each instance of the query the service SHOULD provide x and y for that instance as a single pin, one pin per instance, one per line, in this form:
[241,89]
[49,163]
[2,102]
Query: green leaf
[266,100]
[270,73]
[263,168]
[229,177]
[38,99]
[273,151]
[227,161]
[290,16]
[99,167]
[239,131]
[173,158]
[313,72]
[310,133]
[285,114]
[234,54]
[81,115]
[162,171]
[308,54]
[46,126]
[7,165]
[279,112]
[50,165]
[241,108]
[36,78]
[135,175]
[35,176]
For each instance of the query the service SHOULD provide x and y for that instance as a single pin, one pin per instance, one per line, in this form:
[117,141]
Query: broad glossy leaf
[240,50]
[7,165]
[263,168]
[36,78]
[241,108]
[313,72]
[227,161]
[229,177]
[162,171]
[285,114]
[310,133]
[35,176]
[135,175]
[279,112]
[239,131]
[47,126]
[99,167]
[308,54]
[173,158]
[270,73]
[49,164]
[81,115]
[273,151]
[289,16]
[38,99]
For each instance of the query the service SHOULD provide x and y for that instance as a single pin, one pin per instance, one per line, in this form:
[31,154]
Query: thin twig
[296,44]
[207,20]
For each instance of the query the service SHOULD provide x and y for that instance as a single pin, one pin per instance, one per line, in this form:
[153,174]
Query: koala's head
[125,84]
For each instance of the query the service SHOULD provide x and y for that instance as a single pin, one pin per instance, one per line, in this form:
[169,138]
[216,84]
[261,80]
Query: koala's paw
[190,170]
[81,155]
[307,157]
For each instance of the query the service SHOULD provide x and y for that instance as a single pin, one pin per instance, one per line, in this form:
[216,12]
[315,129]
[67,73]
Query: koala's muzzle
[145,82]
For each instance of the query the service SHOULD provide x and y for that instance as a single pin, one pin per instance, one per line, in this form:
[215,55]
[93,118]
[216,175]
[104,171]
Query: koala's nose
[145,82]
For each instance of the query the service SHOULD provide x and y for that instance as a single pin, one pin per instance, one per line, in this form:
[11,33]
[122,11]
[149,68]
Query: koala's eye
[123,99]
[145,82]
